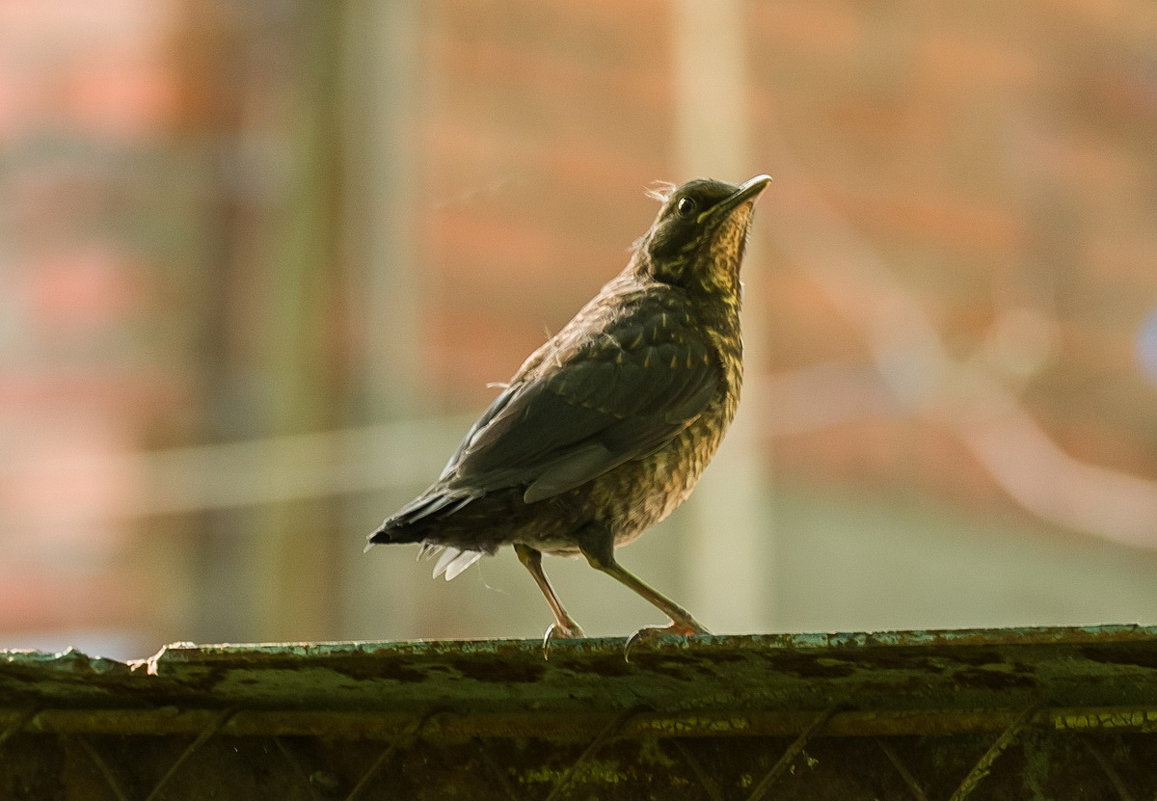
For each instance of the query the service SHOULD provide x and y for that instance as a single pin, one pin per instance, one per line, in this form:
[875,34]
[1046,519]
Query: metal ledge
[924,704]
[891,683]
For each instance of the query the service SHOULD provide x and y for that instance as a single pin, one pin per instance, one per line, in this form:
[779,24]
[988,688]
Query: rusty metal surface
[943,714]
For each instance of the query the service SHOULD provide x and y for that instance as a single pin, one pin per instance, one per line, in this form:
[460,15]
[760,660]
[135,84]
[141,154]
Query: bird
[606,428]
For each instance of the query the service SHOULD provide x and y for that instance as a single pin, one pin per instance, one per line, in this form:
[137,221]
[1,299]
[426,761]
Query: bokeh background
[260,260]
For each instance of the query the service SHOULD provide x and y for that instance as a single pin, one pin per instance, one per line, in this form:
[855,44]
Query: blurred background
[260,260]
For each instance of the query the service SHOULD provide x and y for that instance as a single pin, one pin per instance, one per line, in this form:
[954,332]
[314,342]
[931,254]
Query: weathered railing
[1050,713]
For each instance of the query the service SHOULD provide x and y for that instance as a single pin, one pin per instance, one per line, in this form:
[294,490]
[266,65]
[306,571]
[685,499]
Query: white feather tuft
[428,550]
[454,560]
[660,191]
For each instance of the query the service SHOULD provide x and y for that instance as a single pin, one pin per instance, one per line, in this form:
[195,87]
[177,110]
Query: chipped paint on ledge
[918,682]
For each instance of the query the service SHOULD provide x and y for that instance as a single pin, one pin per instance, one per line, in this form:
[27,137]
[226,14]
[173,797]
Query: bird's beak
[749,191]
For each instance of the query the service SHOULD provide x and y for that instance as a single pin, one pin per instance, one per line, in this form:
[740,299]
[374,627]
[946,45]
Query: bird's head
[698,237]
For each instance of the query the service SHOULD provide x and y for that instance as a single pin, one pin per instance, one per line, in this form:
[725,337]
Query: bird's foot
[650,634]
[572,631]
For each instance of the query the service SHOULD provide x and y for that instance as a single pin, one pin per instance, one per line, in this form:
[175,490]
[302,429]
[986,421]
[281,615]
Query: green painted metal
[890,682]
[964,703]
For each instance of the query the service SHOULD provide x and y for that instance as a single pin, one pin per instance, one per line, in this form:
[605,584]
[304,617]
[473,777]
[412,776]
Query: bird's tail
[451,560]
[407,526]
[388,534]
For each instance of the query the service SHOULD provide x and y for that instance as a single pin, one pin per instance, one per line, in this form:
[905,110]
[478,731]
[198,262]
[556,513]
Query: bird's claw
[557,632]
[650,634]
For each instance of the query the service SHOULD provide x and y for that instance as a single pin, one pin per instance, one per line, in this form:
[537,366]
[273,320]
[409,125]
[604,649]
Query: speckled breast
[659,483]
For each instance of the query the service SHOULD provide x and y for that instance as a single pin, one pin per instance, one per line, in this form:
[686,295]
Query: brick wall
[999,164]
[543,124]
[109,222]
[85,97]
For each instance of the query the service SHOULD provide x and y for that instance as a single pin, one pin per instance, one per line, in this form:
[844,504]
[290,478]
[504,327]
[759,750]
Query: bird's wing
[620,396]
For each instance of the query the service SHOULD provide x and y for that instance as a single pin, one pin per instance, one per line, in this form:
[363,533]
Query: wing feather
[609,403]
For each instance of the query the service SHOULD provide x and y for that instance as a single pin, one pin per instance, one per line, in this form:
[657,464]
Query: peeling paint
[889,682]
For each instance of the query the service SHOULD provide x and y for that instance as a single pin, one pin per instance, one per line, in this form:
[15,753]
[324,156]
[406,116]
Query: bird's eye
[685,207]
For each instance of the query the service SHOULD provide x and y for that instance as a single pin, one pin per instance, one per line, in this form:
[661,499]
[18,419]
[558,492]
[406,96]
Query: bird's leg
[564,625]
[597,544]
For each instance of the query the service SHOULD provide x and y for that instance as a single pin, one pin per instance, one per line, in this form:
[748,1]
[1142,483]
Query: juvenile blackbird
[606,428]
